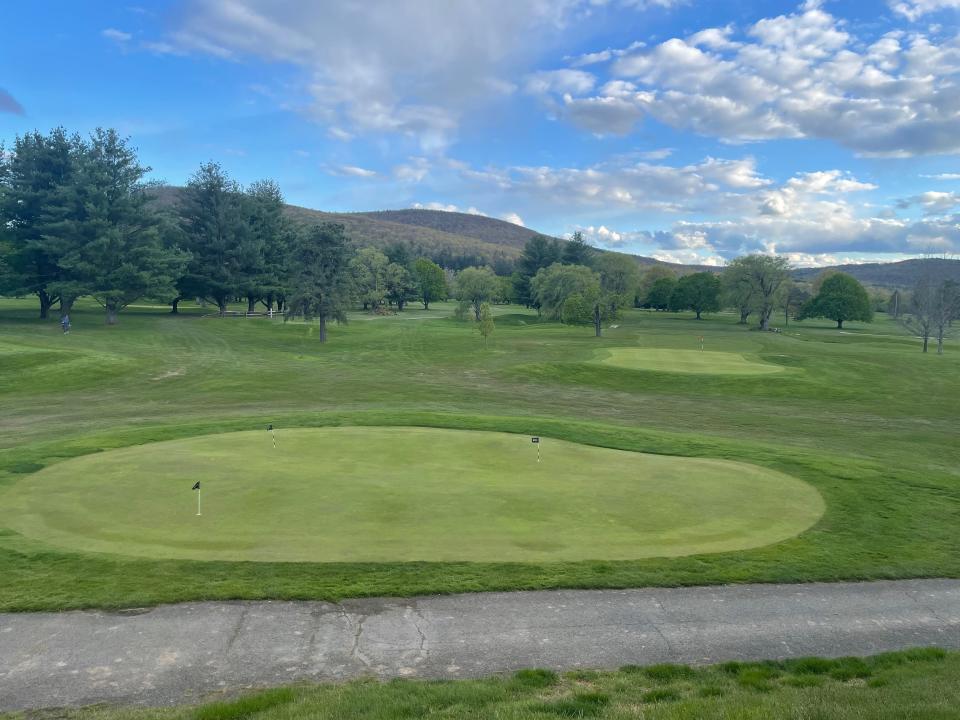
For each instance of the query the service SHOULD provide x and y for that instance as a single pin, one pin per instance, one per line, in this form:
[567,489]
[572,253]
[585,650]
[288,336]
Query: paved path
[182,653]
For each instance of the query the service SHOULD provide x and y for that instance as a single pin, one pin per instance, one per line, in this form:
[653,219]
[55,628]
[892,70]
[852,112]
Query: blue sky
[689,130]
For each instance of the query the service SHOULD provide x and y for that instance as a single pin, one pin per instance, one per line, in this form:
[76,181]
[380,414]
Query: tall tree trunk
[940,341]
[926,338]
[476,309]
[764,321]
[280,303]
[698,315]
[323,328]
[66,306]
[222,307]
[45,302]
[596,319]
[269,302]
[426,304]
[839,324]
[744,314]
[111,313]
[174,309]
[251,303]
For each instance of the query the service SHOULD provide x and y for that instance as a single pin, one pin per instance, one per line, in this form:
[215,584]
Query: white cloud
[512,217]
[943,176]
[802,75]
[118,36]
[354,171]
[446,207]
[914,9]
[560,81]
[413,171]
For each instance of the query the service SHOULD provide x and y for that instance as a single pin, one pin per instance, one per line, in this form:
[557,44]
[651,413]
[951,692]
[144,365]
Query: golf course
[401,460]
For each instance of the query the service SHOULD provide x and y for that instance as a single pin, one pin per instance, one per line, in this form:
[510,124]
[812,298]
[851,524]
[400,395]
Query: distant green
[401,494]
[686,361]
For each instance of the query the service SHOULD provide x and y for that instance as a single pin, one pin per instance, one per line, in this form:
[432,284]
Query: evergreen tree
[320,283]
[577,251]
[37,206]
[218,236]
[118,255]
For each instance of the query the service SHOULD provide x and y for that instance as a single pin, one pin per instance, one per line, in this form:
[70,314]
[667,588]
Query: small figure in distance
[65,323]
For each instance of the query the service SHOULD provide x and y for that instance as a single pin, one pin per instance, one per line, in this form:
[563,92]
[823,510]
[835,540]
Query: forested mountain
[467,239]
[479,227]
[903,274]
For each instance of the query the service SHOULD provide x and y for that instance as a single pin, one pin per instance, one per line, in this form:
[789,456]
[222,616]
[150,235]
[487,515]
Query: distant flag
[196,486]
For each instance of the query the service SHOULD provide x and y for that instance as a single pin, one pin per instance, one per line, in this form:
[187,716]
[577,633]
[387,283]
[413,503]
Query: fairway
[402,494]
[686,361]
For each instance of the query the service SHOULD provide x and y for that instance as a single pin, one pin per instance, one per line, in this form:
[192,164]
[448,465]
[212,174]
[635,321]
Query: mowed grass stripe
[374,494]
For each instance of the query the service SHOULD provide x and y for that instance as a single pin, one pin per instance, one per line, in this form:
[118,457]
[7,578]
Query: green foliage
[619,279]
[577,252]
[320,281]
[756,284]
[699,292]
[213,215]
[840,298]
[118,255]
[477,285]
[538,253]
[485,323]
[431,281]
[554,286]
[368,269]
[399,284]
[661,293]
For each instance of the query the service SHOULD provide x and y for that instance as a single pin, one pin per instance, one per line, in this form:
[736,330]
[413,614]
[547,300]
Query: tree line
[78,218]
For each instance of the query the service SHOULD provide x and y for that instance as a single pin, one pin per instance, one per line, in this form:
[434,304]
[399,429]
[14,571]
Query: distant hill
[902,274]
[479,227]
[491,241]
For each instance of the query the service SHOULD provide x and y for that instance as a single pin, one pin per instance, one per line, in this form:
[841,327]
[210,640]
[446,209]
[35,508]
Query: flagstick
[538,452]
[198,501]
[273,435]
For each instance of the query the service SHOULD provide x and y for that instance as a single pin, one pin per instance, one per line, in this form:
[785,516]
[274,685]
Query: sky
[688,130]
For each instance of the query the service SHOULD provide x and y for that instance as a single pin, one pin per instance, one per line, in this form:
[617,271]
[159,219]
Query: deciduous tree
[841,298]
[699,292]
[756,284]
[476,285]
[431,281]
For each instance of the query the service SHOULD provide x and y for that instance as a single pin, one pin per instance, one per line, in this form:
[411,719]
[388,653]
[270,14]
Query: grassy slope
[917,684]
[865,418]
[402,494]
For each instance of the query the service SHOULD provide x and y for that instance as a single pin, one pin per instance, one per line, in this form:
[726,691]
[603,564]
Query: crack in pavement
[198,648]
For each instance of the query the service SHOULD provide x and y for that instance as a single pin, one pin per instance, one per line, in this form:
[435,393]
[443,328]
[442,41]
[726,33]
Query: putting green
[705,362]
[397,494]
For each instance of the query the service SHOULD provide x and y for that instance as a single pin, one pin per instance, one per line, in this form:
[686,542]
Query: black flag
[197,485]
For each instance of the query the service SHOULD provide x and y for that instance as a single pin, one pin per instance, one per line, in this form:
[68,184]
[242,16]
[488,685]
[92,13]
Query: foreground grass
[922,684]
[862,416]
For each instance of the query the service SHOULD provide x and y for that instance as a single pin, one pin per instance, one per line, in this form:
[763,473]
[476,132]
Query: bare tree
[934,305]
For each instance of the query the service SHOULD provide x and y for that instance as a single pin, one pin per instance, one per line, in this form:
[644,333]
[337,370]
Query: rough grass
[402,494]
[870,422]
[912,685]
